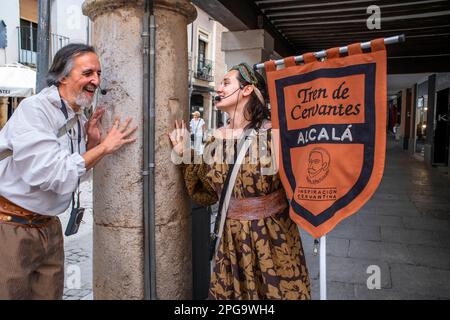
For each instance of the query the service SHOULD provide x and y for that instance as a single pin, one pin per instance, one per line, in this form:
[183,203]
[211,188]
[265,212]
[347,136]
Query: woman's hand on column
[178,136]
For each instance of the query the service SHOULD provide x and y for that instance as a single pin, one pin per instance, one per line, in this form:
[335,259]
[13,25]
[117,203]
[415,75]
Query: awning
[17,80]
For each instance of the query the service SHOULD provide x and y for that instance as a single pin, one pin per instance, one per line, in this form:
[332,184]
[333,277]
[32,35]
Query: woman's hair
[63,61]
[255,110]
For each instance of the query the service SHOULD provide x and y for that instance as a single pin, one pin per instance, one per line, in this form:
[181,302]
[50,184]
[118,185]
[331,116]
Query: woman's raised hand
[178,136]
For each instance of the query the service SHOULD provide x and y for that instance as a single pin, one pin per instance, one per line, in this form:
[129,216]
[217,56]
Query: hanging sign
[330,122]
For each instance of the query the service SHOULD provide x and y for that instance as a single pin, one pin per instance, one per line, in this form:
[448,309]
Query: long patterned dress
[256,259]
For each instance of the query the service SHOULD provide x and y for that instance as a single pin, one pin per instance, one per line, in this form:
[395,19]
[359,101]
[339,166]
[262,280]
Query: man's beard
[83,100]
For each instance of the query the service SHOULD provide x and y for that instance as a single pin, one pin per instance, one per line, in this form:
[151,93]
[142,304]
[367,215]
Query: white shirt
[42,173]
[197,126]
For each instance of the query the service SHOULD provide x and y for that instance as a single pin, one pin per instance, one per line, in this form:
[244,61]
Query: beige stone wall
[219,56]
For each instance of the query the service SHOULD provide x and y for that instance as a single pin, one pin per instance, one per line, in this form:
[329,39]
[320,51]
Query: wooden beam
[436,22]
[304,5]
[396,19]
[367,36]
[358,14]
[355,8]
[361,26]
[385,33]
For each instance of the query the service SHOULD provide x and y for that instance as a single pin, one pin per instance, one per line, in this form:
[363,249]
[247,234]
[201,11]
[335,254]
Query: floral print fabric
[256,259]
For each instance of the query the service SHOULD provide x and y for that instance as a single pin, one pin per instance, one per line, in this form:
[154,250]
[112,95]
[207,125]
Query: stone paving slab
[437,210]
[370,219]
[430,257]
[382,196]
[421,280]
[335,291]
[359,232]
[78,250]
[383,251]
[351,270]
[422,223]
[411,236]
[337,247]
[363,293]
[431,197]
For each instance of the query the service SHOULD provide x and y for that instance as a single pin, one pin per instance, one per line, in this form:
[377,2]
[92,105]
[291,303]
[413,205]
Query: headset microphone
[219,98]
[103,91]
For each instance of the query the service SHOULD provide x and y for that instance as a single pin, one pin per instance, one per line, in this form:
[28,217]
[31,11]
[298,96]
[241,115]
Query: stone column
[3,111]
[118,185]
[251,46]
[207,107]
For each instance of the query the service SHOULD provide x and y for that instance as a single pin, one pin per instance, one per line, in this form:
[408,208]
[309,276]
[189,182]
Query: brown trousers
[31,261]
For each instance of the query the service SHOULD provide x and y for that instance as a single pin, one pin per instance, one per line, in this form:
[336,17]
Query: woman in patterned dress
[260,255]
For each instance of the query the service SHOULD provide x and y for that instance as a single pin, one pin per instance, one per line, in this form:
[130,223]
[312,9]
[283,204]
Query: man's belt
[256,208]
[5,154]
[10,212]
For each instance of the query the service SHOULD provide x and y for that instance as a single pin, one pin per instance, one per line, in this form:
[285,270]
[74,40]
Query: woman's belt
[256,208]
[10,212]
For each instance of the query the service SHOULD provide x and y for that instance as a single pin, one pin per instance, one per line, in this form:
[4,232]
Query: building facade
[206,66]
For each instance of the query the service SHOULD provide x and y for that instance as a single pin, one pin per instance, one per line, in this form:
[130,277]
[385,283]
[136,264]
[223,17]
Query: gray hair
[63,62]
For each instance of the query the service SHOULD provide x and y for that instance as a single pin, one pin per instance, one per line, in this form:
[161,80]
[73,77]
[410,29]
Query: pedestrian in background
[197,128]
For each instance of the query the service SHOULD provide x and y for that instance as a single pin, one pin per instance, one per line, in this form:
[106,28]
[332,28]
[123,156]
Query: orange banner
[331,121]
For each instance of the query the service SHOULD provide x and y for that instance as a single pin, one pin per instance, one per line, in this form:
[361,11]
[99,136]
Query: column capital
[94,8]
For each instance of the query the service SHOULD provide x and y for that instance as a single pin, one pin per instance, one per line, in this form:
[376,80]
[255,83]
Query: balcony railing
[204,70]
[57,42]
[27,39]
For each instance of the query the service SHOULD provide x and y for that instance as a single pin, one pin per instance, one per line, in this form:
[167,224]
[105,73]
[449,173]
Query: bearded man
[45,148]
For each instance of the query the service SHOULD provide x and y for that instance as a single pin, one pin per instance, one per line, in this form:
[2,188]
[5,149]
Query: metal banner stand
[323,267]
[323,53]
[323,239]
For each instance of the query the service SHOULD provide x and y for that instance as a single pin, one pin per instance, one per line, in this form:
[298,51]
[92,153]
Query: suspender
[67,129]
[62,131]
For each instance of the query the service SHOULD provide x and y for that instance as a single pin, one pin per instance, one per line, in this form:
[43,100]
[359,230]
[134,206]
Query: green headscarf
[246,72]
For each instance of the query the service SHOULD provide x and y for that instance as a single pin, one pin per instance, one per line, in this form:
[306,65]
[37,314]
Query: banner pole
[323,54]
[323,268]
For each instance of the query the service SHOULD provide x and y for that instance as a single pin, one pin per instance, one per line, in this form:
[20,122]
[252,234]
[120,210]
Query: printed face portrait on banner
[331,121]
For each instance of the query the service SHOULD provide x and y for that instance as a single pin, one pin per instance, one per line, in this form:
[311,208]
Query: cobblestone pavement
[78,250]
[404,230]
